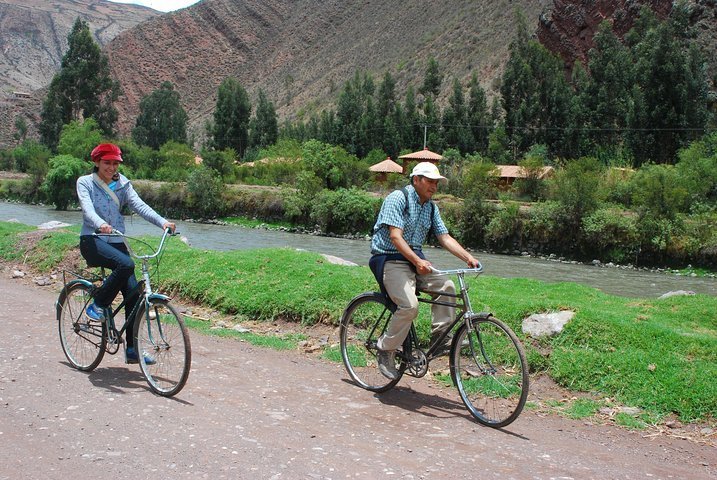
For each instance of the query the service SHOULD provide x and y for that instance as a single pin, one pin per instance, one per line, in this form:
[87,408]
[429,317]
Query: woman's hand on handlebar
[169,225]
[105,228]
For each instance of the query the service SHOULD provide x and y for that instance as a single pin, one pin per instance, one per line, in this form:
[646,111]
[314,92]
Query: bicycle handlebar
[458,271]
[117,233]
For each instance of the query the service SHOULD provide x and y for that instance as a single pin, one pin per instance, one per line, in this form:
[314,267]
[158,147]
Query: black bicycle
[161,337]
[486,361]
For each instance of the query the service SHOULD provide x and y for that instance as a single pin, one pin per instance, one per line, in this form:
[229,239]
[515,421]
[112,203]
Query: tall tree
[264,124]
[478,116]
[231,117]
[608,96]
[411,129]
[82,88]
[670,107]
[536,96]
[433,79]
[161,118]
[456,132]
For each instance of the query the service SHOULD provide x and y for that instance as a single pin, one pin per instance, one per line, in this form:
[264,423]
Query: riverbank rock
[675,293]
[546,324]
[51,225]
[338,260]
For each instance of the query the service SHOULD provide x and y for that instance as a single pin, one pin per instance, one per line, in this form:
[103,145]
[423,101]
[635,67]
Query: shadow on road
[434,406]
[426,404]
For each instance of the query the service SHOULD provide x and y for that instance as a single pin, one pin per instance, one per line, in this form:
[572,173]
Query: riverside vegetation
[657,355]
[630,135]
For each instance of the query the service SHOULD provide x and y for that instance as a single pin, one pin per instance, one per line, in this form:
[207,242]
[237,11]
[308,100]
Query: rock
[338,261]
[546,324]
[675,293]
[241,329]
[632,411]
[17,274]
[52,224]
[43,281]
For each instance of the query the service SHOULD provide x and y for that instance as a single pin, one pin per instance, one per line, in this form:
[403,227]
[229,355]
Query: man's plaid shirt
[415,222]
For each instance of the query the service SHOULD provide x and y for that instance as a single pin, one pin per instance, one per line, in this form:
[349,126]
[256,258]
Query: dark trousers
[114,256]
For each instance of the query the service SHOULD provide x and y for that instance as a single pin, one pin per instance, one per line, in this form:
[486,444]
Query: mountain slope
[34,35]
[33,39]
[301,52]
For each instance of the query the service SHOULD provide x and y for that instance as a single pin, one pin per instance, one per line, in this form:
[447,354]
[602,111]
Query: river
[618,281]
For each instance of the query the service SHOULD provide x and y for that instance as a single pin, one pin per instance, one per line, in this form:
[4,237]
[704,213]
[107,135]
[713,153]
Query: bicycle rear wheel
[362,323]
[162,337]
[83,340]
[489,368]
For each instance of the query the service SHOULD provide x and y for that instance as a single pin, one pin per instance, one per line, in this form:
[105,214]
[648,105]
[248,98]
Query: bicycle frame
[143,290]
[464,313]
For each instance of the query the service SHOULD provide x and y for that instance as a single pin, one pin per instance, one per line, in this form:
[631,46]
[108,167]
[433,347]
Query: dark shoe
[387,364]
[95,313]
[130,356]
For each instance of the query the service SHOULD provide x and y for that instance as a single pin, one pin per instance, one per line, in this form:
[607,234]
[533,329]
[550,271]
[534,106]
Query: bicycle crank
[418,364]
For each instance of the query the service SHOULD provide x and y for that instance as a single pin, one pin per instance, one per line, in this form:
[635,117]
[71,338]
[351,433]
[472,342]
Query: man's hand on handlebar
[472,262]
[423,267]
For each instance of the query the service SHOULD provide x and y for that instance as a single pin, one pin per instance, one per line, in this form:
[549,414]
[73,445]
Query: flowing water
[618,281]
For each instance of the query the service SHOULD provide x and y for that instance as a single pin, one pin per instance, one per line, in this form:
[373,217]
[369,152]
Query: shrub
[611,233]
[344,211]
[658,192]
[577,188]
[60,183]
[504,226]
[205,187]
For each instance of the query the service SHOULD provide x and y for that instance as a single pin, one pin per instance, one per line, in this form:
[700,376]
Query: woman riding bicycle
[102,195]
[399,264]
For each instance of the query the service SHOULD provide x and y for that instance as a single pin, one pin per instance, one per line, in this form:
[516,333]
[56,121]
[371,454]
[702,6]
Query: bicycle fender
[68,286]
[482,315]
[159,296]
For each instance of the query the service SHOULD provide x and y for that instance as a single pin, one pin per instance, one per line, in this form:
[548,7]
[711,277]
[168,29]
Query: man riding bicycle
[405,219]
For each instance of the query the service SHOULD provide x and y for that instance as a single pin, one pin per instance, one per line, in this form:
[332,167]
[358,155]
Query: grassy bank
[658,355]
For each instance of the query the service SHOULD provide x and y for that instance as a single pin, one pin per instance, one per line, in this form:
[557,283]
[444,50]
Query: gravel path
[249,412]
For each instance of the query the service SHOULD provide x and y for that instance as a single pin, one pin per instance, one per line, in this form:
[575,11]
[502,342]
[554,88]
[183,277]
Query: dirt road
[249,412]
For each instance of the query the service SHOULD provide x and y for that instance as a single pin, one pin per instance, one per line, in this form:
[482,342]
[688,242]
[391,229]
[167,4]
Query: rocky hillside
[569,28]
[300,52]
[33,39]
[33,35]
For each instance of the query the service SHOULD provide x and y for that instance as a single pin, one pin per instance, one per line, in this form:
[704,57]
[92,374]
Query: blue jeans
[114,256]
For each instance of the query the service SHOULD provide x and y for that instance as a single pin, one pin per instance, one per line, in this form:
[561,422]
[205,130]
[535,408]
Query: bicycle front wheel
[83,340]
[489,368]
[362,323]
[165,354]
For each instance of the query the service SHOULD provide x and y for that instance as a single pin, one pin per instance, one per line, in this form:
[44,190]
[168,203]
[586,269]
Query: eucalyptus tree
[161,118]
[264,125]
[82,88]
[231,117]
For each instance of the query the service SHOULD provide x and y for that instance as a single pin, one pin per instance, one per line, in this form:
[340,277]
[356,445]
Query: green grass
[254,223]
[657,355]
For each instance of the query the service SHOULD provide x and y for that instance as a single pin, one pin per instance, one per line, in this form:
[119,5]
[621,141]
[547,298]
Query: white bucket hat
[428,170]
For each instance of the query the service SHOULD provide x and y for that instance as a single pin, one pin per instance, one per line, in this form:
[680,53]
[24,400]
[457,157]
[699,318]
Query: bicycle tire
[490,371]
[84,341]
[163,336]
[362,323]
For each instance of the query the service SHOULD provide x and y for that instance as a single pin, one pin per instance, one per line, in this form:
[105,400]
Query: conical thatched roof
[387,166]
[425,155]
